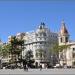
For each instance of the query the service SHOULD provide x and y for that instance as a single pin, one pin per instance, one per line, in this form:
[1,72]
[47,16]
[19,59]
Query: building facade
[40,39]
[43,39]
[67,56]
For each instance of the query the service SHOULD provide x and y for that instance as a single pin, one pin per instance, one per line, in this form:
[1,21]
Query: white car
[57,66]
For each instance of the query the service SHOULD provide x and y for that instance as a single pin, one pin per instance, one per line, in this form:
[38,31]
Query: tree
[17,48]
[29,57]
[4,50]
[57,50]
[0,50]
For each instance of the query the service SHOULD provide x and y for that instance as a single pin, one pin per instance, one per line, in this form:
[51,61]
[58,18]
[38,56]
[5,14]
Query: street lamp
[52,60]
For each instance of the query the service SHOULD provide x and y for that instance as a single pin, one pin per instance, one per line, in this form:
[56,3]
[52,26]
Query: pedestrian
[46,66]
[26,67]
[40,67]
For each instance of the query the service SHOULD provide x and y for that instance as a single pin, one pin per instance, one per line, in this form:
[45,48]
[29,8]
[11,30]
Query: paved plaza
[38,72]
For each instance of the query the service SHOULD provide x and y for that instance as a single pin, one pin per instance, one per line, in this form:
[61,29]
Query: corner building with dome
[42,40]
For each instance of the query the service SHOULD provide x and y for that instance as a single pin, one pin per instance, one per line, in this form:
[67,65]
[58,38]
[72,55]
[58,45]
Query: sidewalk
[37,71]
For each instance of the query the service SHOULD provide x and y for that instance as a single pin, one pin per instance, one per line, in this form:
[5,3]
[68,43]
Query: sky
[25,15]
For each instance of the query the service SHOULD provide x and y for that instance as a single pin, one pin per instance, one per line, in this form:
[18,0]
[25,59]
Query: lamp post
[51,60]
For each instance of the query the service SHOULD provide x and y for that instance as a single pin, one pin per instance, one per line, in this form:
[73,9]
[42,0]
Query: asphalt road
[38,72]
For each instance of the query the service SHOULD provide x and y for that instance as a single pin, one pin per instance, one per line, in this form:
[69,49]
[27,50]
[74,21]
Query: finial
[63,23]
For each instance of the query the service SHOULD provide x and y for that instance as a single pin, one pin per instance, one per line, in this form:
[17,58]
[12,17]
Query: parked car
[8,67]
[58,66]
[11,66]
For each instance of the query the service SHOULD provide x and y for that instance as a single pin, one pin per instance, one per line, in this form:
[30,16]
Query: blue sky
[25,15]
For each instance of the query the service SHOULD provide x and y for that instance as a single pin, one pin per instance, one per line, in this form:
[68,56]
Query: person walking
[26,67]
[40,67]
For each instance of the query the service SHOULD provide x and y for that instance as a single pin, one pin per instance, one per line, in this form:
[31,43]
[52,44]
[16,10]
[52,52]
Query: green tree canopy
[56,48]
[29,55]
[17,45]
[5,49]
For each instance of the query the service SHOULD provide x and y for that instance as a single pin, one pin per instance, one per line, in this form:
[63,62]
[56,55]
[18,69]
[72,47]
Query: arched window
[66,39]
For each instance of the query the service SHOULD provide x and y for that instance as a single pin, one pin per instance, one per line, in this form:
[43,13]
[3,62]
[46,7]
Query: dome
[42,25]
[41,28]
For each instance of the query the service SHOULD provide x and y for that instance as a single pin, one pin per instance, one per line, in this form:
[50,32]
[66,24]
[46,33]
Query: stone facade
[67,56]
[41,38]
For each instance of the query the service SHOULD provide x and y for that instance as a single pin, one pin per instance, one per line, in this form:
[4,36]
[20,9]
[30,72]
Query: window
[40,27]
[9,56]
[74,63]
[73,55]
[40,38]
[40,42]
[40,34]
[44,34]
[51,35]
[61,39]
[45,38]
[73,49]
[36,34]
[66,39]
[36,39]
[36,43]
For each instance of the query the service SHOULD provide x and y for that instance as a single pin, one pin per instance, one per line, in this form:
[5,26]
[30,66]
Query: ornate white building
[67,56]
[41,38]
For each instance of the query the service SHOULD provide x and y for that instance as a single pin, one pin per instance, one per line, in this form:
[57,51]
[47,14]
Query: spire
[63,30]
